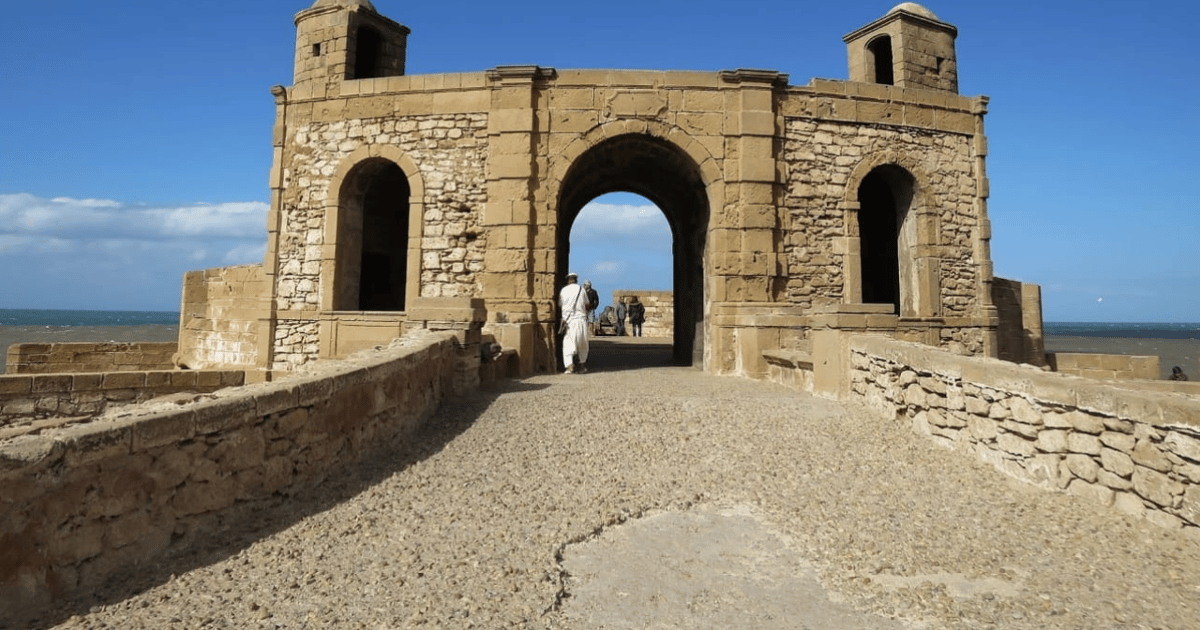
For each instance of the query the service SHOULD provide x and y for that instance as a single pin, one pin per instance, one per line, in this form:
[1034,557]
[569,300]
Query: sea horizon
[103,317]
[80,317]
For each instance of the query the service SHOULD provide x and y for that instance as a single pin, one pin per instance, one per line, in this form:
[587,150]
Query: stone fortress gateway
[401,202]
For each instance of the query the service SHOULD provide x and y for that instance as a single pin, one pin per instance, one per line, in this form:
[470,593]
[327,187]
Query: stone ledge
[795,359]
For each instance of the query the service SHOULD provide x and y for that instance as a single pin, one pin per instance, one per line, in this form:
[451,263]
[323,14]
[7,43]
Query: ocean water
[1124,330]
[48,317]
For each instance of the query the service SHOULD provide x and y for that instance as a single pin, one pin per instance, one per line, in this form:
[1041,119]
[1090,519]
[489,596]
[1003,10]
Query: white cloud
[103,254]
[89,219]
[604,220]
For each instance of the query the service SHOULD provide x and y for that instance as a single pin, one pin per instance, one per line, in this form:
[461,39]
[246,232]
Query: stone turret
[908,47]
[343,40]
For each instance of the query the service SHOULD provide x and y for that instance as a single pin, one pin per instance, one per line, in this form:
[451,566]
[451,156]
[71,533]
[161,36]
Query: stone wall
[86,503]
[223,316]
[450,152]
[1135,450]
[660,311]
[26,399]
[1020,336]
[822,156]
[1105,366]
[62,358]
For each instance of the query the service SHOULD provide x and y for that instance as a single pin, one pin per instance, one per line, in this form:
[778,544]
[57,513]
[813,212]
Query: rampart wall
[1105,366]
[61,358]
[87,502]
[28,402]
[1137,450]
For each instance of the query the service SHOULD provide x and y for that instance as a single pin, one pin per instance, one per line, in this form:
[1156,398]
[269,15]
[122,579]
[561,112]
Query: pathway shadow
[237,528]
[613,354]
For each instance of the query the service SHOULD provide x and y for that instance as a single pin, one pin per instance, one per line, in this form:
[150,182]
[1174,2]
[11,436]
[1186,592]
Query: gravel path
[549,502]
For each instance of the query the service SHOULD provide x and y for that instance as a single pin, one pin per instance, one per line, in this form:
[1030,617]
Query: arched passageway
[884,197]
[659,171]
[372,243]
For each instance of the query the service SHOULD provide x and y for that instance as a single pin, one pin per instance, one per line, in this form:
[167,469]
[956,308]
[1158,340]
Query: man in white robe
[573,303]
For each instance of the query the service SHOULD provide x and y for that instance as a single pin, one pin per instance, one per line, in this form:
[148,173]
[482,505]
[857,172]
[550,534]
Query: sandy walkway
[665,498]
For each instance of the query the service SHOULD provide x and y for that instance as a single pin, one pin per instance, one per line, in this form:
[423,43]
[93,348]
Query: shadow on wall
[238,528]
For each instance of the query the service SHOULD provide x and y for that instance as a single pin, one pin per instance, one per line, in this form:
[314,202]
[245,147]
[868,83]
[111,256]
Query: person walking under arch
[573,304]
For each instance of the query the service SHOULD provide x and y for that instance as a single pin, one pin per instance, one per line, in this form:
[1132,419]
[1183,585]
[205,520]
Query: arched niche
[373,233]
[892,227]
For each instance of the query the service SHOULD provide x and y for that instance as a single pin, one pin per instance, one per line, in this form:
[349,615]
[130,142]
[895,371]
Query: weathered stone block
[1155,486]
[1109,480]
[1083,443]
[1024,430]
[1148,455]
[1086,422]
[977,406]
[1011,443]
[1118,441]
[87,443]
[206,496]
[1117,462]
[1024,411]
[213,416]
[1052,441]
[983,429]
[16,384]
[1055,420]
[1182,445]
[914,396]
[163,429]
[1082,466]
[238,450]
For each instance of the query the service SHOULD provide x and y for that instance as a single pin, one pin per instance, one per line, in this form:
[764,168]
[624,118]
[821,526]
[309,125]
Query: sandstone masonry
[786,201]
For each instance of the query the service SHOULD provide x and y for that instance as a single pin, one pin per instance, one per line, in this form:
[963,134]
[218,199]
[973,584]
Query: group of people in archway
[578,304]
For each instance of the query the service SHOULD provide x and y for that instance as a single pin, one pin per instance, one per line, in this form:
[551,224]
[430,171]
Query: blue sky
[135,135]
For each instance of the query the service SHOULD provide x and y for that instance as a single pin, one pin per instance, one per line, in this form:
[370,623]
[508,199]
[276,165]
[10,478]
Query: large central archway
[661,172]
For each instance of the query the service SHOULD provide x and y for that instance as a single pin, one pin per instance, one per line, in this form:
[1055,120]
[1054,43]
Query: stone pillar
[1031,320]
[745,231]
[266,324]
[516,273]
[983,235]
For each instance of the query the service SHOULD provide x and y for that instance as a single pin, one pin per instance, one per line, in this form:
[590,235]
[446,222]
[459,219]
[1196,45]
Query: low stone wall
[1135,450]
[1105,366]
[28,397]
[61,358]
[85,503]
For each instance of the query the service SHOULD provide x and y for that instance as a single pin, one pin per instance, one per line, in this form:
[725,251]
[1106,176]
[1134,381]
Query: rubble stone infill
[481,524]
